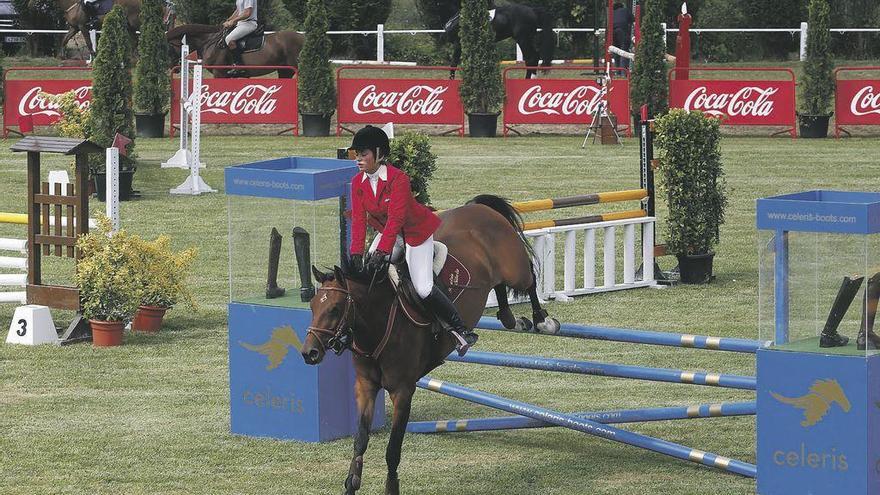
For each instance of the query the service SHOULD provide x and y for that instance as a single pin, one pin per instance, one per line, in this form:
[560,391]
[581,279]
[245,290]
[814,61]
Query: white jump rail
[8,280]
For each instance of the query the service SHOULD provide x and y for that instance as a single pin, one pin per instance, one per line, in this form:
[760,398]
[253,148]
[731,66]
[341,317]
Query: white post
[112,195]
[648,252]
[194,185]
[519,53]
[380,43]
[609,260]
[590,259]
[570,248]
[549,264]
[629,254]
[663,25]
[803,41]
[181,157]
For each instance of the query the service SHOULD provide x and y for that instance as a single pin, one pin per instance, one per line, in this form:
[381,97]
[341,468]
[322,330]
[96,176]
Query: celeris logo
[866,101]
[581,100]
[34,103]
[253,99]
[416,100]
[750,101]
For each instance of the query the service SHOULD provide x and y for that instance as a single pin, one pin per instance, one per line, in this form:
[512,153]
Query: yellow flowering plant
[162,272]
[74,118]
[106,275]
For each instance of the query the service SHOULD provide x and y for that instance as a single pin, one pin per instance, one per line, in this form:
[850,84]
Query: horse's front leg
[67,37]
[365,394]
[402,400]
[88,39]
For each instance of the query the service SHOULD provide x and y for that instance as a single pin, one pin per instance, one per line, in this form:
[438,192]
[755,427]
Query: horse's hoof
[523,324]
[352,484]
[549,326]
[392,486]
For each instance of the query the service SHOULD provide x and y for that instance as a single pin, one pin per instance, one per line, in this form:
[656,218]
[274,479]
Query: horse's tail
[507,210]
[547,38]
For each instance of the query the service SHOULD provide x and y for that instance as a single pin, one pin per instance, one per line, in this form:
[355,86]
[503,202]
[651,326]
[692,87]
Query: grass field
[152,416]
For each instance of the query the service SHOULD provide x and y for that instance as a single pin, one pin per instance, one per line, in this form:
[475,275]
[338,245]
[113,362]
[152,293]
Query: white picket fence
[15,264]
[581,240]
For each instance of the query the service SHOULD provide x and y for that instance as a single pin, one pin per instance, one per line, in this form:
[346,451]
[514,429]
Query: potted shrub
[692,181]
[411,152]
[111,106]
[649,75]
[107,283]
[482,89]
[152,86]
[161,280]
[317,95]
[818,82]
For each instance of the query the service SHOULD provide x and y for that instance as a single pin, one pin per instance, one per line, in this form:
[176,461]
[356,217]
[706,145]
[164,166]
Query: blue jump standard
[605,369]
[591,427]
[604,417]
[643,337]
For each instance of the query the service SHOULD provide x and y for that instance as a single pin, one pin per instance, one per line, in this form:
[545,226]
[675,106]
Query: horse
[517,21]
[78,20]
[280,48]
[390,348]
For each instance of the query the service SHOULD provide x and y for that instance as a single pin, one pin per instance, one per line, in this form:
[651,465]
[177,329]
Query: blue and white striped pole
[605,417]
[591,427]
[643,337]
[605,369]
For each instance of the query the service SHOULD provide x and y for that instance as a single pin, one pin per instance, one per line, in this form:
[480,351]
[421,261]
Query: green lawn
[152,416]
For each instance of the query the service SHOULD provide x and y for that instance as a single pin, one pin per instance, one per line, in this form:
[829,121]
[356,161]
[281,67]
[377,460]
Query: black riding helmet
[371,138]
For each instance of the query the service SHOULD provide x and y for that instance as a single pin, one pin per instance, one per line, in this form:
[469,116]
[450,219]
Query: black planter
[150,125]
[483,124]
[695,268]
[125,179]
[315,124]
[813,126]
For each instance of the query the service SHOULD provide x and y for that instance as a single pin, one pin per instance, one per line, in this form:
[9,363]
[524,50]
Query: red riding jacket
[392,210]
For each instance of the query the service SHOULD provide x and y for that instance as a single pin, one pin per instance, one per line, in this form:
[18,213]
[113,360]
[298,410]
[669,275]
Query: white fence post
[804,26]
[663,25]
[590,259]
[609,260]
[519,54]
[380,43]
[112,194]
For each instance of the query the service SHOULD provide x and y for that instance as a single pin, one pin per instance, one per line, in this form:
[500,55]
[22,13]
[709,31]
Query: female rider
[381,196]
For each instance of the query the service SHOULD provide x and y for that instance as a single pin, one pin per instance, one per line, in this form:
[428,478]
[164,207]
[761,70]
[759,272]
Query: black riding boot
[867,338]
[445,311]
[845,295]
[272,289]
[236,60]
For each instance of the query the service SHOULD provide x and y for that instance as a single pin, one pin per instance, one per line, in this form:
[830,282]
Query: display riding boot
[845,295]
[272,289]
[445,311]
[867,338]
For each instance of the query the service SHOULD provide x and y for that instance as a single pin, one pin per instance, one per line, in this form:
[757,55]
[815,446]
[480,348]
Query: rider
[90,7]
[381,196]
[242,22]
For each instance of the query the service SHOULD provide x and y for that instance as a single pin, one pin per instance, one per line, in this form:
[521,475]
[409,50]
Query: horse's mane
[187,29]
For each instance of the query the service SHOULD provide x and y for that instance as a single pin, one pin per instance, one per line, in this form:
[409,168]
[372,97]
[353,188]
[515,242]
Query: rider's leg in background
[242,29]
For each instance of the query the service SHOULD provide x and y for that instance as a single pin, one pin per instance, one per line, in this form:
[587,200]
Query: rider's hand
[228,24]
[378,260]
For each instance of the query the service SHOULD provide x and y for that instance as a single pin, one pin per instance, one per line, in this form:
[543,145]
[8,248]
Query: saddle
[450,275]
[250,43]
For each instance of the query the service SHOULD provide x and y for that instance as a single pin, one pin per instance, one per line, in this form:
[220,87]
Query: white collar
[381,172]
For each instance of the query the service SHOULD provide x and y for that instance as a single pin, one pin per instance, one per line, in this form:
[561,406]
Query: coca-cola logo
[421,99]
[748,101]
[35,102]
[581,100]
[865,102]
[252,99]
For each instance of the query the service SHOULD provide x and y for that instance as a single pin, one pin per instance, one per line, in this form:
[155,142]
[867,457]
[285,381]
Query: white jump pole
[112,197]
[182,157]
[194,184]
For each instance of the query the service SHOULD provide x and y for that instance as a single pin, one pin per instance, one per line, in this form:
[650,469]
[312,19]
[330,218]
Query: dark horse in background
[280,48]
[392,349]
[78,20]
[517,21]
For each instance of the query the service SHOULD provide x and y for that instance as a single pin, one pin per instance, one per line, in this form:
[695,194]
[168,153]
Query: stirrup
[463,342]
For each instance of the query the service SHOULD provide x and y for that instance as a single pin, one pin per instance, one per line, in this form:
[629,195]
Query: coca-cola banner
[27,97]
[857,102]
[737,102]
[244,101]
[561,101]
[402,101]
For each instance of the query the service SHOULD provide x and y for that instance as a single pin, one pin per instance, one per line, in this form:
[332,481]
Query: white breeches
[242,29]
[419,259]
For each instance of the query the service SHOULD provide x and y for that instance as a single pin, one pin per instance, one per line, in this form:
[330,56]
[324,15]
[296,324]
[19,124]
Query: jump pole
[590,427]
[701,411]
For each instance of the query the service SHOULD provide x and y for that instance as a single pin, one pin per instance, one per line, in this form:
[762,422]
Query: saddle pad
[253,42]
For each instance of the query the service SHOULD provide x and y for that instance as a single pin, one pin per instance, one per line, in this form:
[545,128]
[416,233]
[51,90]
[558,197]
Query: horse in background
[520,22]
[279,48]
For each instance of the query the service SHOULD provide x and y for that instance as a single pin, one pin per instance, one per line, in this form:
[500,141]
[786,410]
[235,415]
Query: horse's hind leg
[543,323]
[504,314]
[365,394]
[402,400]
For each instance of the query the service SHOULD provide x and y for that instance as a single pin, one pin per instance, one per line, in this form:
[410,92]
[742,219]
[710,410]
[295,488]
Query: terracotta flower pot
[148,318]
[106,333]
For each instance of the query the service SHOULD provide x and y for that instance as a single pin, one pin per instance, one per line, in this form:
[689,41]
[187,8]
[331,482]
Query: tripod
[600,113]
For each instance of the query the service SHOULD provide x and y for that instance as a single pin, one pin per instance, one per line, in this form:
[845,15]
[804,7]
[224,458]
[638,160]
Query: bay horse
[280,48]
[391,351]
[78,20]
[517,21]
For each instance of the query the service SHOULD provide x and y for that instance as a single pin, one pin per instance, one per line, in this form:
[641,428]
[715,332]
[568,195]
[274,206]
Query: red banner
[738,102]
[561,101]
[402,101]
[244,101]
[857,101]
[23,97]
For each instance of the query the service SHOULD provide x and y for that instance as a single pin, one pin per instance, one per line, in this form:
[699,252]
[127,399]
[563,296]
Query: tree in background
[774,14]
[316,90]
[152,90]
[44,15]
[273,12]
[111,110]
[349,15]
[649,82]
[818,80]
[482,89]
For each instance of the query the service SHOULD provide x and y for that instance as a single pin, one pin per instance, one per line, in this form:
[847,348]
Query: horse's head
[333,309]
